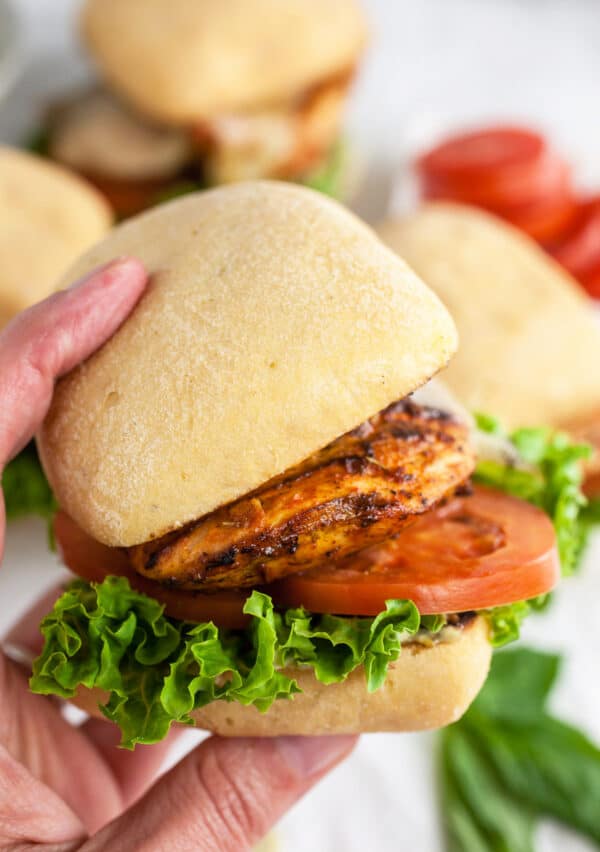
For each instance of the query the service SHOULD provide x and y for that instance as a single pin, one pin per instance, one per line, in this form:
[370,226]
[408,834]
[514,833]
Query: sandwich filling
[137,163]
[362,488]
[405,552]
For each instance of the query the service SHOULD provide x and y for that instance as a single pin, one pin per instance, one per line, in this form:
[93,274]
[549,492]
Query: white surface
[431,62]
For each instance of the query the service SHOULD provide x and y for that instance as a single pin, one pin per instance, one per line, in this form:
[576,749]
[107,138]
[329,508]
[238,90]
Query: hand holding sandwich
[63,784]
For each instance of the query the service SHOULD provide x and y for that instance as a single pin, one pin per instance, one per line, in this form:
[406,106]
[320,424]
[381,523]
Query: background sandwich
[205,93]
[243,453]
[529,338]
[48,216]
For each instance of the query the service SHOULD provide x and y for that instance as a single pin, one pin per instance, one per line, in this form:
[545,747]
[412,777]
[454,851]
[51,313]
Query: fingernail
[309,756]
[100,272]
[18,654]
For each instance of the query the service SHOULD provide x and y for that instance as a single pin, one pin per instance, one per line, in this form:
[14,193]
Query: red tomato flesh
[579,250]
[475,552]
[543,221]
[591,282]
[481,153]
[93,561]
[544,179]
[479,551]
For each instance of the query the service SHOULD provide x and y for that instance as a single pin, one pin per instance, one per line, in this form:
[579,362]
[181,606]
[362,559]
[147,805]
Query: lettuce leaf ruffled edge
[550,477]
[158,670]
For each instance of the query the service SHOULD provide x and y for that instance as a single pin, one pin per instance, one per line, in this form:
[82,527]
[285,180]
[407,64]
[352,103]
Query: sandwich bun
[98,135]
[274,322]
[426,688]
[48,217]
[190,59]
[529,339]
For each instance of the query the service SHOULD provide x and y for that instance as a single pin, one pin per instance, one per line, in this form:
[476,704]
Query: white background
[432,64]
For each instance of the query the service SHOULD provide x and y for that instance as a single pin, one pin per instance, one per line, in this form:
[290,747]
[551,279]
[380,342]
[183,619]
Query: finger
[34,732]
[24,640]
[30,813]
[133,771]
[51,338]
[224,796]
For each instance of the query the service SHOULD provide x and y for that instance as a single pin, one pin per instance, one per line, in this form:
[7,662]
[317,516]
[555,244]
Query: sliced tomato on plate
[93,561]
[475,552]
[579,249]
[591,282]
[481,153]
[545,178]
[546,220]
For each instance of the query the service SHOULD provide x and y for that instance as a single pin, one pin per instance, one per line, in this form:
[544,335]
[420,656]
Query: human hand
[64,787]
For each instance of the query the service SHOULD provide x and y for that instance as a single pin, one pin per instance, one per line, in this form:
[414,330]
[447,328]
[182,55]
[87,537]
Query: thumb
[224,796]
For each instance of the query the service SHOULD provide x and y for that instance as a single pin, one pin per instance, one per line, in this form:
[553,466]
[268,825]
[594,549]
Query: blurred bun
[97,134]
[529,342]
[275,321]
[48,217]
[190,59]
[426,688]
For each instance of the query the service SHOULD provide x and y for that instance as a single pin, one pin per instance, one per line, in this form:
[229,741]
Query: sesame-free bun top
[48,217]
[274,322]
[529,342]
[183,60]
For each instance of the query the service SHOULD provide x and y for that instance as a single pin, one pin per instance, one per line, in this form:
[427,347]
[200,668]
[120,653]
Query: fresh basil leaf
[523,672]
[479,814]
[508,749]
[550,766]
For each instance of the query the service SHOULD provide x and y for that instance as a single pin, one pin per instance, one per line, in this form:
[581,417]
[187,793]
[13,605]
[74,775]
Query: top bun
[529,343]
[183,60]
[48,216]
[274,322]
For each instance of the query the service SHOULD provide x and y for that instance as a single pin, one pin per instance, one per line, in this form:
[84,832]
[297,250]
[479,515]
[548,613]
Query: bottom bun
[427,687]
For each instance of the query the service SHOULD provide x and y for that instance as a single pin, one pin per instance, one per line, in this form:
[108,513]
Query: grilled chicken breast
[360,489]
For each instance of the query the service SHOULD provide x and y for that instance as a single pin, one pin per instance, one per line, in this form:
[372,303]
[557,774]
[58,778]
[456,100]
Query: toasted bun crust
[425,688]
[528,337]
[189,59]
[275,321]
[48,216]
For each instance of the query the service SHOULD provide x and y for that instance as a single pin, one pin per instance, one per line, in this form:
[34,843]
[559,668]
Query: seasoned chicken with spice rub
[360,489]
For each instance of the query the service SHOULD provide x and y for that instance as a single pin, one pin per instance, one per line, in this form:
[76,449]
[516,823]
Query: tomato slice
[544,221]
[591,282]
[93,561]
[481,153]
[475,552]
[542,179]
[579,250]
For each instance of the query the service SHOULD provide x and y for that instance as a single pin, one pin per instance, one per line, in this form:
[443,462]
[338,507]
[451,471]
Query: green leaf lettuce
[551,480]
[26,490]
[157,670]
